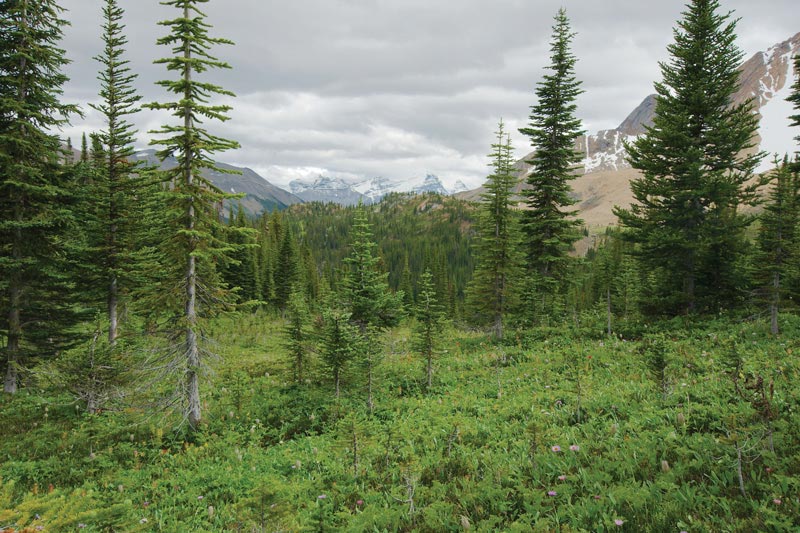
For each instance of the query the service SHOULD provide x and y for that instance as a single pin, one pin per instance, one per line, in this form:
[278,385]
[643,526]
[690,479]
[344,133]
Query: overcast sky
[399,88]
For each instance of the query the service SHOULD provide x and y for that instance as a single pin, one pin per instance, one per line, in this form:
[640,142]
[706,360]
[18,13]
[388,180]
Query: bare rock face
[640,117]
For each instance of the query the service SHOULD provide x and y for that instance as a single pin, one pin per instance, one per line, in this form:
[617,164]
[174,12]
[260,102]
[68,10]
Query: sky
[396,88]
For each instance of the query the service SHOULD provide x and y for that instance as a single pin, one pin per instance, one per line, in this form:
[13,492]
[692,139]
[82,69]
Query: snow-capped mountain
[766,77]
[340,191]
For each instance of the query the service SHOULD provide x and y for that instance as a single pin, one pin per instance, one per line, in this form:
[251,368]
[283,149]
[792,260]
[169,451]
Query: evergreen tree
[777,240]
[196,245]
[286,270]
[115,193]
[497,239]
[429,323]
[549,229]
[36,304]
[297,335]
[340,344]
[695,169]
[366,292]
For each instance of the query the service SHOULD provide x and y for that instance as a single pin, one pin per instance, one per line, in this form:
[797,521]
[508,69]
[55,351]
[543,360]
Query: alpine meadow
[436,290]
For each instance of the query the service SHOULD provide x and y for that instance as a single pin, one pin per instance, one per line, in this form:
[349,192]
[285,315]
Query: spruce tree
[366,292]
[497,239]
[429,324]
[286,270]
[549,226]
[696,171]
[297,336]
[776,259]
[116,194]
[35,217]
[196,244]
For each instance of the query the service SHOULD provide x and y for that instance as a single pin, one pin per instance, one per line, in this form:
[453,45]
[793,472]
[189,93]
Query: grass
[550,431]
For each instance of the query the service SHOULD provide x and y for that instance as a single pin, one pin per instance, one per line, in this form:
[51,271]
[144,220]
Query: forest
[174,363]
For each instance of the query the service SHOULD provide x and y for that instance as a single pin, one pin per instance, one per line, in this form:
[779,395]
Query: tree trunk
[14,322]
[113,321]
[336,380]
[370,403]
[773,306]
[15,284]
[192,349]
[608,309]
[739,473]
[430,369]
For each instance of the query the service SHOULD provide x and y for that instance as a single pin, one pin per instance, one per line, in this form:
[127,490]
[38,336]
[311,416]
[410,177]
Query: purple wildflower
[555,448]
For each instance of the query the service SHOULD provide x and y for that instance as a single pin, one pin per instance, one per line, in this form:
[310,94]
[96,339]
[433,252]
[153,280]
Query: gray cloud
[400,88]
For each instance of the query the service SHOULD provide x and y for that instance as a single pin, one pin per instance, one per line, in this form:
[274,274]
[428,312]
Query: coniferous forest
[174,362]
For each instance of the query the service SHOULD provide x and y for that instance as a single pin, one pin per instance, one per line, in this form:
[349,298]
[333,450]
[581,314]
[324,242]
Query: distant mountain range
[260,195]
[605,177]
[337,190]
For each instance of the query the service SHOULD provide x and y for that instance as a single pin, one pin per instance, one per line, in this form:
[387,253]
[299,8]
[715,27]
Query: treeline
[308,244]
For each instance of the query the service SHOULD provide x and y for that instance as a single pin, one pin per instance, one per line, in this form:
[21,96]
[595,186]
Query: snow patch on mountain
[777,135]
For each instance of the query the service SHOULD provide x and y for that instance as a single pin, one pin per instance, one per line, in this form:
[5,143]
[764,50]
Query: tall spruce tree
[777,240]
[549,227]
[34,194]
[497,240]
[115,195]
[287,269]
[365,290]
[196,244]
[695,166]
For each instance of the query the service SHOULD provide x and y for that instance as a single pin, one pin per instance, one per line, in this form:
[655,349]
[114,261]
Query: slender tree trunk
[113,321]
[14,334]
[14,321]
[15,284]
[430,369]
[773,306]
[336,380]
[113,289]
[192,349]
[739,473]
[608,309]
[370,402]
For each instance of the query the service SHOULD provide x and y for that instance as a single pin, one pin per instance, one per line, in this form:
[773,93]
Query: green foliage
[365,289]
[297,335]
[696,173]
[776,260]
[119,202]
[550,230]
[478,449]
[340,344]
[412,232]
[38,305]
[196,240]
[429,324]
[497,241]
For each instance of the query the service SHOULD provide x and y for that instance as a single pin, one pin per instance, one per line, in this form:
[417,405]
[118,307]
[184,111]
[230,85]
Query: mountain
[260,195]
[605,176]
[336,190]
[325,189]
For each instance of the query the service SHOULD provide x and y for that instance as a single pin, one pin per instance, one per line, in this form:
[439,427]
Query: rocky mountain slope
[259,194]
[605,176]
